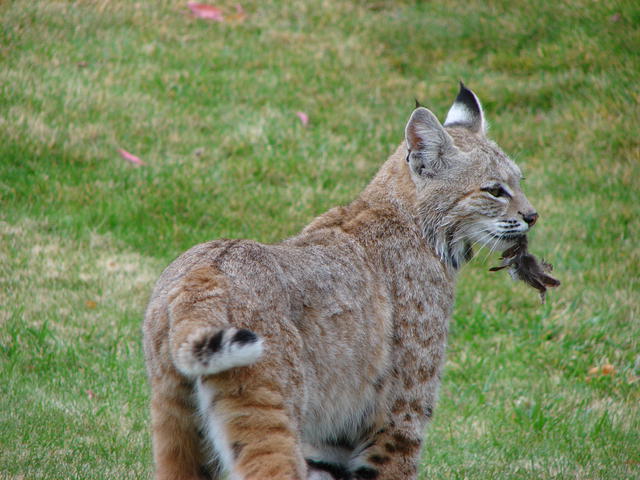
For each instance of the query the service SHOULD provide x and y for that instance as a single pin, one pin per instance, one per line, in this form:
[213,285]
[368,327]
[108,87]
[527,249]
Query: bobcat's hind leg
[249,426]
[201,339]
[178,445]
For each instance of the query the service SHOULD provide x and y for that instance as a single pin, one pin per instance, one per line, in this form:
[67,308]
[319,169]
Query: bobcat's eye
[496,191]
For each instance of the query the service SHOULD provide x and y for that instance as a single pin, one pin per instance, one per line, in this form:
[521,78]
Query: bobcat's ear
[466,112]
[428,144]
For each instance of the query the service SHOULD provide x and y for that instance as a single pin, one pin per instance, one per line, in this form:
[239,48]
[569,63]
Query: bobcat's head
[468,190]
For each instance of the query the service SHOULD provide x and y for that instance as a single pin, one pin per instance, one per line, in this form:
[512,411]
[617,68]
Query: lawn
[530,391]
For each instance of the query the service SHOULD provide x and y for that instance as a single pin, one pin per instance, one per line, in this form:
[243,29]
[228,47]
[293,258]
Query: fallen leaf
[208,12]
[304,118]
[90,304]
[130,157]
[608,369]
[593,370]
[239,16]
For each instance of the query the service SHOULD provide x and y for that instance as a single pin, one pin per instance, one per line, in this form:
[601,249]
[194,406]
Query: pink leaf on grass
[304,118]
[130,157]
[208,12]
[239,16]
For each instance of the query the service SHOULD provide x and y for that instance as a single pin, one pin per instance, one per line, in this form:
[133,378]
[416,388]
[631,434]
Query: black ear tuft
[418,104]
[469,100]
[466,111]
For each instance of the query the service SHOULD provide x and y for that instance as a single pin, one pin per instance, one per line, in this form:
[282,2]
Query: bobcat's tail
[211,350]
[202,341]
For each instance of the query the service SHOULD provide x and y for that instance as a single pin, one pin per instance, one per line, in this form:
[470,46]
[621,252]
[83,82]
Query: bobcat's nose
[530,218]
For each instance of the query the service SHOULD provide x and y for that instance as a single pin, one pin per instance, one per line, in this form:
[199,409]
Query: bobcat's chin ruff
[452,243]
[213,350]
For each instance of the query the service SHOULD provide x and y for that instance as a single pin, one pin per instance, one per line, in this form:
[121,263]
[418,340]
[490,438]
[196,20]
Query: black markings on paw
[379,459]
[214,343]
[428,412]
[366,473]
[404,444]
[338,472]
[244,336]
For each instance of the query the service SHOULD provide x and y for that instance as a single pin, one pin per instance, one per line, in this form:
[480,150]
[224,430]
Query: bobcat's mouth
[510,236]
[499,241]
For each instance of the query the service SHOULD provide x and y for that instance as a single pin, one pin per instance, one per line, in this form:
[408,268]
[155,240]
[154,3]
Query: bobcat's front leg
[395,455]
[394,452]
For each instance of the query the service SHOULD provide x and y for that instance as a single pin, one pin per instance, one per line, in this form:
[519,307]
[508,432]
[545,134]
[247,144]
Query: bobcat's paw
[319,475]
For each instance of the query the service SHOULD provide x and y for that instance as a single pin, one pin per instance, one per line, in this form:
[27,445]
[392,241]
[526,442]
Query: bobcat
[321,356]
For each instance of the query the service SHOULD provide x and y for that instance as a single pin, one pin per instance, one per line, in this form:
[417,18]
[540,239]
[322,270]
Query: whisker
[491,248]
[477,241]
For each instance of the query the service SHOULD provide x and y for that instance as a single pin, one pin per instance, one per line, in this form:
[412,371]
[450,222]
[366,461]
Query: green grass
[211,108]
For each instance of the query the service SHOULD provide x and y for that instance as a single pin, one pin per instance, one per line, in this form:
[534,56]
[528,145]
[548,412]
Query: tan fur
[328,346]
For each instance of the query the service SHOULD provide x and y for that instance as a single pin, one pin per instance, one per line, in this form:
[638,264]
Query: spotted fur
[320,357]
